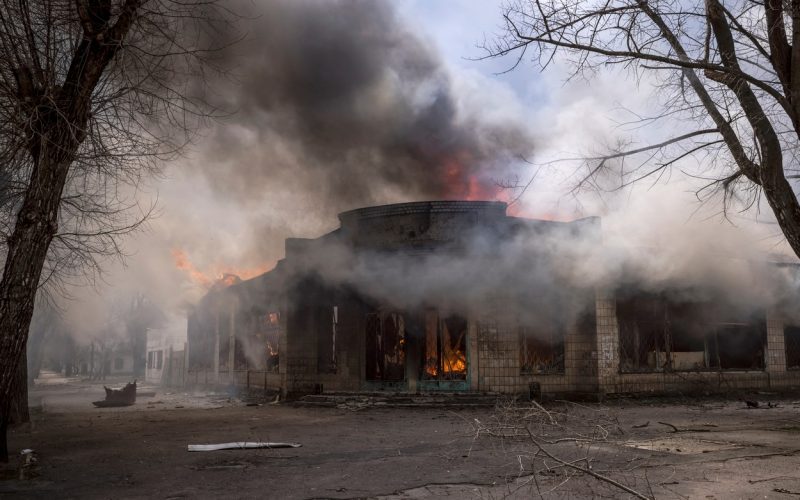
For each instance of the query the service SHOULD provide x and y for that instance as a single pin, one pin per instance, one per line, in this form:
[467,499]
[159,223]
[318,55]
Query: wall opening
[224,329]
[202,340]
[656,334]
[239,357]
[445,347]
[272,329]
[385,347]
[326,340]
[791,343]
[542,348]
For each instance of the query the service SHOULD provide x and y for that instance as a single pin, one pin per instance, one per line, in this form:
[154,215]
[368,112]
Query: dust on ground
[709,448]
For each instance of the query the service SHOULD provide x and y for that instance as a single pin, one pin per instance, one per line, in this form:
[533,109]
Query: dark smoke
[342,105]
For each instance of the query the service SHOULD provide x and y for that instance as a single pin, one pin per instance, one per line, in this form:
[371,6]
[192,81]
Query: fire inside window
[271,336]
[445,347]
[385,349]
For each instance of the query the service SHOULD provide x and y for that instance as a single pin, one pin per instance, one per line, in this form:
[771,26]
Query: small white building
[166,353]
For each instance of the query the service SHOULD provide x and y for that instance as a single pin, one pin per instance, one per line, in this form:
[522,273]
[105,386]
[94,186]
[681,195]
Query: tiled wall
[779,376]
[611,381]
[592,361]
[498,345]
[776,351]
[498,352]
[607,340]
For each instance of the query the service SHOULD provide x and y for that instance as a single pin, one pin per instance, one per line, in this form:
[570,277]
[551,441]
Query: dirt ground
[721,450]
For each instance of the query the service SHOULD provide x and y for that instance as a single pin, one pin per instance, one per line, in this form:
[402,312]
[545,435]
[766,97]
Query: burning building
[459,296]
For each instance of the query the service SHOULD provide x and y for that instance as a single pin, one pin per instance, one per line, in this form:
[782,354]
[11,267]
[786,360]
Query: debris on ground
[27,466]
[756,404]
[118,397]
[240,445]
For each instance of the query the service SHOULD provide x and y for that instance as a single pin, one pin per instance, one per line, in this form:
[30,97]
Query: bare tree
[94,95]
[728,76]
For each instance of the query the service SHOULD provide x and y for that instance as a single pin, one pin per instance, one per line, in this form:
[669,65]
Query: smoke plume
[342,104]
[335,105]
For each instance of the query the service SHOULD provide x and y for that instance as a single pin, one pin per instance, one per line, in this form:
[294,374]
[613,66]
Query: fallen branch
[585,470]
[549,416]
[690,429]
[674,429]
[785,491]
[754,481]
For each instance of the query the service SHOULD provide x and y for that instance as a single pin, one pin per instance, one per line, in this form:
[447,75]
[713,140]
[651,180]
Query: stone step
[398,400]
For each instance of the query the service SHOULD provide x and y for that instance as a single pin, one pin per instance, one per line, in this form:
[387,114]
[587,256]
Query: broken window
[326,340]
[385,349]
[739,346]
[542,348]
[656,334]
[640,334]
[791,343]
[445,347]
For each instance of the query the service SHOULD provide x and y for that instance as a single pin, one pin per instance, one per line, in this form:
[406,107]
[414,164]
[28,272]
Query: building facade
[420,297]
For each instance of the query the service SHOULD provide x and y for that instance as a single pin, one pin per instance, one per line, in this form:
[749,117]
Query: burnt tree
[89,100]
[729,74]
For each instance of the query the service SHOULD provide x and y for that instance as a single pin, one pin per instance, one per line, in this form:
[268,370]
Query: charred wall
[342,323]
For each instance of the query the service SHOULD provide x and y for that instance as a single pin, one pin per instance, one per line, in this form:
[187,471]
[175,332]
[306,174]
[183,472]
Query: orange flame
[182,262]
[461,183]
[454,362]
[221,276]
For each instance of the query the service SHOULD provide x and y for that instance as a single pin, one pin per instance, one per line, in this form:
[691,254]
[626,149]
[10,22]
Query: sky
[342,119]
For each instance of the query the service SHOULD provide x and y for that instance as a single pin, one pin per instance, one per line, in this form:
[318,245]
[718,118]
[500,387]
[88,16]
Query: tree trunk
[3,439]
[27,248]
[15,409]
[784,204]
[56,127]
[19,412]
